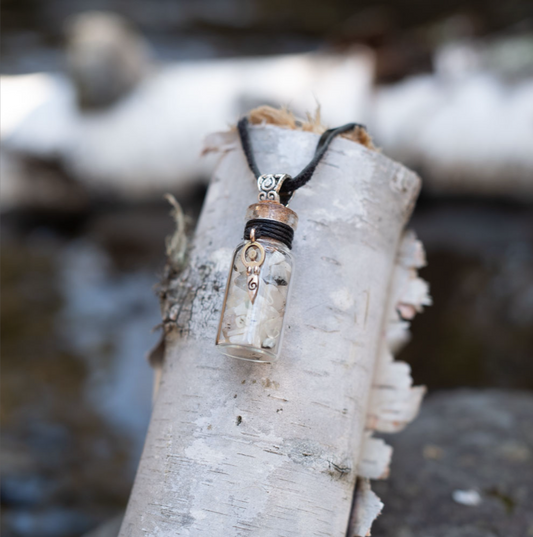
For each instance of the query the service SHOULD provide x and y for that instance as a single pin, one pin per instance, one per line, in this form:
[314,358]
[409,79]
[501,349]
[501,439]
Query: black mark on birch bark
[195,289]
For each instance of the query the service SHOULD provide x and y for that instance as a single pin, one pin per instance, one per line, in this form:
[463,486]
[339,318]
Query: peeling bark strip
[236,448]
[394,402]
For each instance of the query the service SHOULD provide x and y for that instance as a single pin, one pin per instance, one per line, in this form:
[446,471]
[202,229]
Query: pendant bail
[269,186]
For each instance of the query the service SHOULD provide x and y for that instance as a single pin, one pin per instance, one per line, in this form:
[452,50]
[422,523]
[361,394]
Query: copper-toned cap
[271,210]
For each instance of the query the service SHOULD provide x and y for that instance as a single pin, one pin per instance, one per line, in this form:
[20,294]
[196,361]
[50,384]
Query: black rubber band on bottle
[271,229]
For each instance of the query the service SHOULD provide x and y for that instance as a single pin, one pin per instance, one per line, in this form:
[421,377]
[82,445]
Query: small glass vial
[255,302]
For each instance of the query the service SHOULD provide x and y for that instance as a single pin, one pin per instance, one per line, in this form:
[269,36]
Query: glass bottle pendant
[252,319]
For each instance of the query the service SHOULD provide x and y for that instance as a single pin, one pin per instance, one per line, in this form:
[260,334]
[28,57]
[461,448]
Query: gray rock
[464,440]
[110,528]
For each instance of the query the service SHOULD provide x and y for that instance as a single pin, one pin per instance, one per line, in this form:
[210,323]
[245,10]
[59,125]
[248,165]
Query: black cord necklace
[251,323]
[291,184]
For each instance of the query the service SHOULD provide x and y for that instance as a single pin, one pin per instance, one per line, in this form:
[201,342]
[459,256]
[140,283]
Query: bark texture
[238,449]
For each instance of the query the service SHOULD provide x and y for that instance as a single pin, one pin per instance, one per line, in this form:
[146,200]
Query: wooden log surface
[236,448]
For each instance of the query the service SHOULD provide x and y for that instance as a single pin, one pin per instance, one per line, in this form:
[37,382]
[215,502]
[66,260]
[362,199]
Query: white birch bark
[238,449]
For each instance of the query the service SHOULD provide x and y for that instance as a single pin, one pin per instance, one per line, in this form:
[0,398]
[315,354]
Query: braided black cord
[290,185]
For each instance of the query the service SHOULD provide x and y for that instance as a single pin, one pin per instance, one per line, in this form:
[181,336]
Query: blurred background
[104,108]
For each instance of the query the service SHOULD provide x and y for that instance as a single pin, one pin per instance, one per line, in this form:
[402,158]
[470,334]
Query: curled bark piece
[367,509]
[176,244]
[375,458]
[394,402]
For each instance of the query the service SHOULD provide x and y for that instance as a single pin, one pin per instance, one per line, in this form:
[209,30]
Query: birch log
[238,449]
